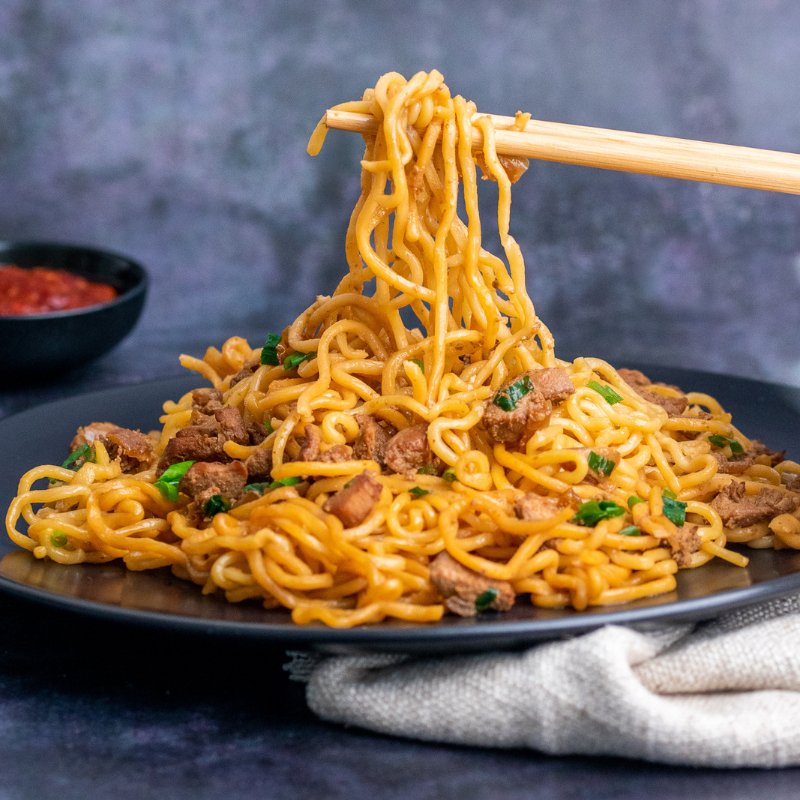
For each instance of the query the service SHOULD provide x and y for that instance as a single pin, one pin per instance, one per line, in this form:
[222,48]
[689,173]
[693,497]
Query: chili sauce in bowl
[62,305]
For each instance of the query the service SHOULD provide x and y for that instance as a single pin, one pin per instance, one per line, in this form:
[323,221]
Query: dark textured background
[176,132]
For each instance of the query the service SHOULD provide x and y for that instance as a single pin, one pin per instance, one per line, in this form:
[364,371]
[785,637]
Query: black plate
[769,412]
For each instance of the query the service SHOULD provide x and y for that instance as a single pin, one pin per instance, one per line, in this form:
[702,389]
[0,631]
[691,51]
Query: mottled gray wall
[175,131]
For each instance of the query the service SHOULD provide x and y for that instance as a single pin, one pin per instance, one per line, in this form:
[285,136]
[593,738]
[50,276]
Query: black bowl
[41,344]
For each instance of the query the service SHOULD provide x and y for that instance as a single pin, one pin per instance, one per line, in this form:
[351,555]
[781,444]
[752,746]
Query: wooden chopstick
[771,170]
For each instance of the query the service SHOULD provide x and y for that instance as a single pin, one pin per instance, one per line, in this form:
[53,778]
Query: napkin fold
[724,693]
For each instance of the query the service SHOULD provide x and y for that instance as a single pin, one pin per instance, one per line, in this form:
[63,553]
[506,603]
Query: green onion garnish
[427,469]
[600,464]
[59,539]
[265,487]
[419,362]
[269,352]
[449,475]
[508,398]
[418,491]
[593,511]
[720,441]
[215,504]
[630,530]
[674,510]
[485,599]
[167,484]
[268,426]
[80,454]
[634,500]
[607,392]
[296,359]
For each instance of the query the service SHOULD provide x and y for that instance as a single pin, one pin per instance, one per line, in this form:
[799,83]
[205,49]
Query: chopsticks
[750,167]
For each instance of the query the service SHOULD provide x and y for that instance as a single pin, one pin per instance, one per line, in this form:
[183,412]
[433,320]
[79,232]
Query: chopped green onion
[607,392]
[508,398]
[419,362]
[269,352]
[630,530]
[292,481]
[720,441]
[418,491]
[670,494]
[427,469]
[167,484]
[296,359]
[600,464]
[485,599]
[268,426]
[265,487]
[674,510]
[80,454]
[449,475]
[593,511]
[634,500]
[59,539]
[215,504]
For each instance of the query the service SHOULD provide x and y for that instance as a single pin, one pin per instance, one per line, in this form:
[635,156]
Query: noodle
[431,342]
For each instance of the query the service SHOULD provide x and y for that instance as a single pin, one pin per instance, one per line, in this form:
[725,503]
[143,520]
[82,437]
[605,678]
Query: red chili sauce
[39,289]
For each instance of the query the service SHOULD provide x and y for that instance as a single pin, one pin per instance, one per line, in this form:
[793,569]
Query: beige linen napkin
[724,693]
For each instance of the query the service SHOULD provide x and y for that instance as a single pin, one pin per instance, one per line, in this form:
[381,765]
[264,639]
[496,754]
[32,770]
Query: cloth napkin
[724,693]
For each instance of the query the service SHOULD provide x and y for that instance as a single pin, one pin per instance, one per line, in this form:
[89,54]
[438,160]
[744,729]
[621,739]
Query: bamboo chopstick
[771,170]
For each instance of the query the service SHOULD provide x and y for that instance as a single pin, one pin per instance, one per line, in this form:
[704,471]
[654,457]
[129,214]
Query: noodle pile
[425,328]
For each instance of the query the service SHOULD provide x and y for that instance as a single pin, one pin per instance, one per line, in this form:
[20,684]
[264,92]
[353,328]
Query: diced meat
[763,454]
[259,464]
[553,382]
[226,480]
[461,587]
[246,371]
[194,443]
[535,508]
[231,424]
[207,401]
[372,439]
[353,504]
[640,383]
[133,448]
[256,432]
[205,438]
[791,480]
[531,411]
[88,433]
[684,543]
[336,454]
[735,465]
[739,509]
[515,427]
[408,450]
[309,450]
